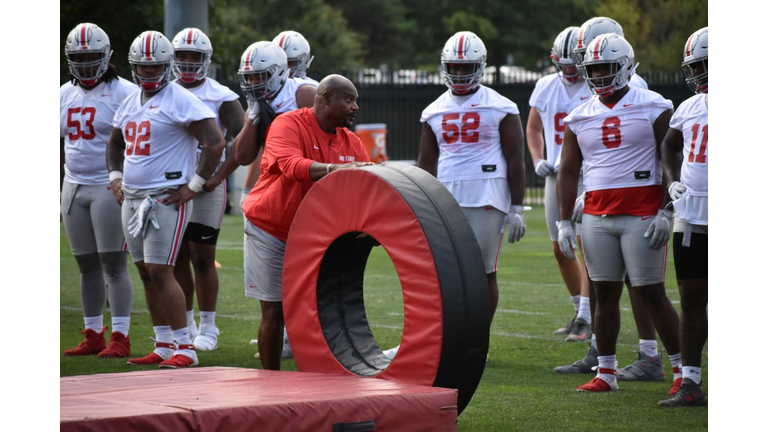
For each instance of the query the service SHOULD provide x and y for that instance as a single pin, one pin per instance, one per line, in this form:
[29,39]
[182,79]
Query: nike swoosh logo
[109,187]
[628,105]
[315,146]
[105,95]
[474,105]
[206,238]
[251,286]
[154,106]
[645,217]
[585,97]
[278,105]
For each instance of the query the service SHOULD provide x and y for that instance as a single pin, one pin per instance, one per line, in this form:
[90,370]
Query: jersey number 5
[701,157]
[136,137]
[86,131]
[466,131]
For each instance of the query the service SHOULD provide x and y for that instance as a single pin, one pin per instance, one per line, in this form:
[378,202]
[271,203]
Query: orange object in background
[374,138]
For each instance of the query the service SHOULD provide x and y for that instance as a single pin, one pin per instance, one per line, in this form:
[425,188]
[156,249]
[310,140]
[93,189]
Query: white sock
[208,317]
[584,310]
[121,324]
[607,362]
[95,323]
[649,347]
[677,362]
[190,316]
[181,336]
[692,372]
[163,334]
[576,300]
[594,341]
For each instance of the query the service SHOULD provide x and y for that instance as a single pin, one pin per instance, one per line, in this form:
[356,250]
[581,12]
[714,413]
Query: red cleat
[163,351]
[599,385]
[677,381]
[94,343]
[119,346]
[185,357]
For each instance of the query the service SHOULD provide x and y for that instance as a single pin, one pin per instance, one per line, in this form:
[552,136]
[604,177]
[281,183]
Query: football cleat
[94,343]
[582,366]
[119,346]
[208,338]
[598,384]
[580,331]
[185,356]
[163,351]
[645,368]
[566,329]
[690,394]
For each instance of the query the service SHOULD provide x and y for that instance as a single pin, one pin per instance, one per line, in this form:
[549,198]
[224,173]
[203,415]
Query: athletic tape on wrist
[196,184]
[114,175]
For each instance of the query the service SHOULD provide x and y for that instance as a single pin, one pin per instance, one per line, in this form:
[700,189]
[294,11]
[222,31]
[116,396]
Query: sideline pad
[230,399]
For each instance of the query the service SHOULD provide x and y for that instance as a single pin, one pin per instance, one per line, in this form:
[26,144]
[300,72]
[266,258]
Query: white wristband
[328,169]
[114,175]
[196,184]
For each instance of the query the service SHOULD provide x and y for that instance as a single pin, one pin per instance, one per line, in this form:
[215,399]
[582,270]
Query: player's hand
[543,168]
[254,111]
[578,209]
[213,182]
[516,221]
[117,190]
[178,196]
[566,239]
[676,190]
[138,222]
[659,229]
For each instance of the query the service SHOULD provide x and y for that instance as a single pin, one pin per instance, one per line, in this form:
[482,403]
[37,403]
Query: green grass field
[518,390]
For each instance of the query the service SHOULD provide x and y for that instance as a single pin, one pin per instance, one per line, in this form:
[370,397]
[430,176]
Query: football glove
[543,168]
[578,209]
[659,229]
[254,110]
[516,221]
[676,190]
[566,239]
[138,222]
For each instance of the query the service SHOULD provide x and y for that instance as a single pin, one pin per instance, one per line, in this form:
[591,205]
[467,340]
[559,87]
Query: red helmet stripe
[83,34]
[148,45]
[189,37]
[688,45]
[580,40]
[461,46]
[596,53]
[247,64]
[282,40]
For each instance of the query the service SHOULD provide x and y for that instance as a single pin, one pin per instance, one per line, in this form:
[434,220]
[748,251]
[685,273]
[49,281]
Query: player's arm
[61,146]
[115,159]
[208,134]
[512,147]
[428,150]
[245,146]
[231,114]
[671,163]
[305,96]
[660,128]
[534,132]
[568,175]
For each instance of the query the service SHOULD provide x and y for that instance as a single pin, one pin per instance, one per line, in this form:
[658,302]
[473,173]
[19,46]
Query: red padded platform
[234,399]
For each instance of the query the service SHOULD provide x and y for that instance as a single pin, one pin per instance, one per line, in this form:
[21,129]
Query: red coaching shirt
[294,141]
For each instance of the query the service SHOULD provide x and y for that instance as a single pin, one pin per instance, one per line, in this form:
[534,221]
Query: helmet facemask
[562,56]
[89,72]
[696,61]
[613,51]
[302,64]
[698,82]
[153,83]
[463,77]
[88,52]
[191,71]
[266,85]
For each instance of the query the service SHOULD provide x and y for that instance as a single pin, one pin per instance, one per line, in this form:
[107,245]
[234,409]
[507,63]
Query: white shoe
[208,338]
[392,352]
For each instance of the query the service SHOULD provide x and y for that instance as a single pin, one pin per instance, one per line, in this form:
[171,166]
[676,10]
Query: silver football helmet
[562,56]
[87,38]
[615,51]
[696,56]
[151,48]
[591,29]
[463,48]
[263,70]
[193,40]
[296,48]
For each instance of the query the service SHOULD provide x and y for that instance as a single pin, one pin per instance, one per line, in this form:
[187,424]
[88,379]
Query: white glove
[137,224]
[578,209]
[659,229]
[516,221]
[676,190]
[254,110]
[566,239]
[543,168]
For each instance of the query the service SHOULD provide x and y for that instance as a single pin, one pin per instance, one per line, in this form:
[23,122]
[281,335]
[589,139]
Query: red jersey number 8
[611,132]
[136,138]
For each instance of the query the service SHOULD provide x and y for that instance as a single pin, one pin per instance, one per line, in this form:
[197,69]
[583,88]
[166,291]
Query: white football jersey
[160,151]
[85,124]
[471,163]
[285,101]
[618,144]
[213,95]
[692,119]
[553,100]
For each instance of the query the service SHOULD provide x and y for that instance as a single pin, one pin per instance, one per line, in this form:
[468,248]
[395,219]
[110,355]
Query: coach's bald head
[336,103]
